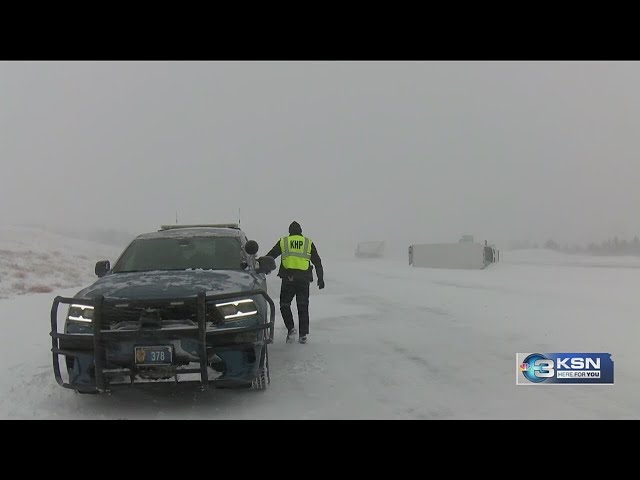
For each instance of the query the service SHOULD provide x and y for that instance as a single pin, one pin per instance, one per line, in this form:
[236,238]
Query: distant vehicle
[464,255]
[370,249]
[491,253]
[186,301]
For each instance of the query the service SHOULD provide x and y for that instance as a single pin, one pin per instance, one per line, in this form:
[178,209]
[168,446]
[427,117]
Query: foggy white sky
[419,151]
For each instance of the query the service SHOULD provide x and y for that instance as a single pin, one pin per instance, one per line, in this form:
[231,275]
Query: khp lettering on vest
[296,252]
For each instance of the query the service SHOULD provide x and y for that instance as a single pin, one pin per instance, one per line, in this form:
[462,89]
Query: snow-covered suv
[184,304]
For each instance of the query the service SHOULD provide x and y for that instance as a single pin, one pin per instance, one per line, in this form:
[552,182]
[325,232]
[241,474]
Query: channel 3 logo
[567,368]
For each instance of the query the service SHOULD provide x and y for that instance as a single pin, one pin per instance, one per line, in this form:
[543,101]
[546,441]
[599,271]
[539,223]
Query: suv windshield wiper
[173,269]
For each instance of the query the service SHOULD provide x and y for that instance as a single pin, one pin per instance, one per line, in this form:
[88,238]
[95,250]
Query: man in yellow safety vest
[298,253]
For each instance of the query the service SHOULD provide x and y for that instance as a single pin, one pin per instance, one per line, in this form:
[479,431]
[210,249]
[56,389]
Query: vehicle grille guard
[94,343]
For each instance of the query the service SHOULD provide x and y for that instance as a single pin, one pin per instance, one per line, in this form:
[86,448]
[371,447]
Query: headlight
[237,309]
[80,313]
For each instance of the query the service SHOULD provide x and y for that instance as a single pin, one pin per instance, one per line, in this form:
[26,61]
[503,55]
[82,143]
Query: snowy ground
[387,341]
[35,261]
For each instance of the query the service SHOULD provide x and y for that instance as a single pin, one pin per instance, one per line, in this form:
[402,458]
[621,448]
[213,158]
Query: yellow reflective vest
[296,252]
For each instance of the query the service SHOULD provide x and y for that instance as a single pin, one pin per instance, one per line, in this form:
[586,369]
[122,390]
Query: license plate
[154,355]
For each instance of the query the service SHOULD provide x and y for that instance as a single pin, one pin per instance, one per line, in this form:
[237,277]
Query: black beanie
[295,229]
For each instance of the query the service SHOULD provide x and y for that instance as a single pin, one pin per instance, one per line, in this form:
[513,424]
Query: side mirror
[251,247]
[102,268]
[266,265]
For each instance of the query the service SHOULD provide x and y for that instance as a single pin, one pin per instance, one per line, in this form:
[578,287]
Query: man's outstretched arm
[276,251]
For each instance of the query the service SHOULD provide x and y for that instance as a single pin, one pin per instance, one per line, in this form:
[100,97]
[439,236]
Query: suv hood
[170,284]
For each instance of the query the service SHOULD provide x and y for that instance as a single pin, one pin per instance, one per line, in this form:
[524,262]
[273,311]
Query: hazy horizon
[406,152]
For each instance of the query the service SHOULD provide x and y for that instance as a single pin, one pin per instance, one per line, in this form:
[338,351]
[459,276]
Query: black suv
[185,304]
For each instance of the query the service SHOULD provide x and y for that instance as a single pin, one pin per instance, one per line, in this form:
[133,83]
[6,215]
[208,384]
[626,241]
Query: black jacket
[299,275]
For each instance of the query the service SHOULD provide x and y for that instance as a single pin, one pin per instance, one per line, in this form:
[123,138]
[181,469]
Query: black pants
[300,290]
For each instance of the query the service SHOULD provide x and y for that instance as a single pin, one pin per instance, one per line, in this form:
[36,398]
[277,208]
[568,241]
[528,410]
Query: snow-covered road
[387,341]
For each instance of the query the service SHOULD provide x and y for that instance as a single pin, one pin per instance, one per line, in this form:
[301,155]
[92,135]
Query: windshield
[218,253]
